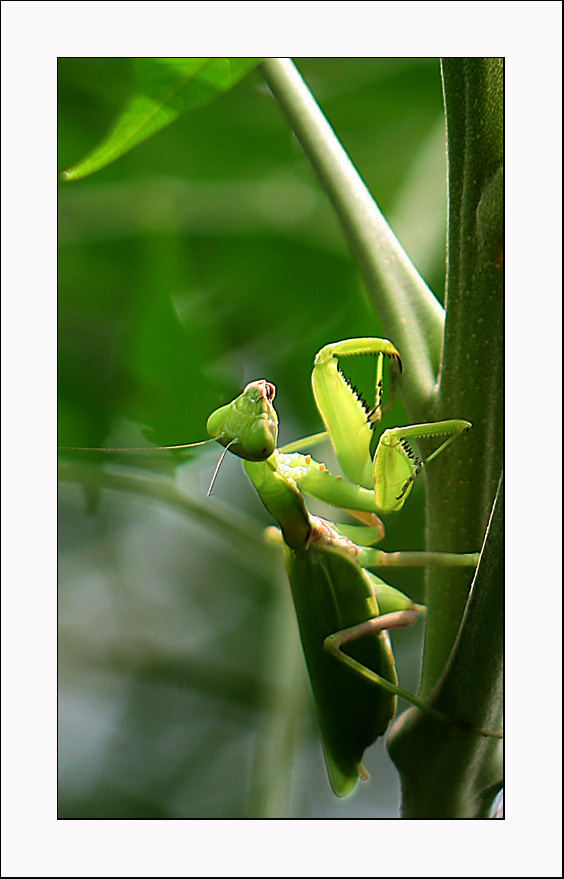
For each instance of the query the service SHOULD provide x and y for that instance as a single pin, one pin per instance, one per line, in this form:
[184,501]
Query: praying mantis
[344,610]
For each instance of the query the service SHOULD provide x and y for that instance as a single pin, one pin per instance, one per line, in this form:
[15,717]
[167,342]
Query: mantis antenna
[218,465]
[134,448]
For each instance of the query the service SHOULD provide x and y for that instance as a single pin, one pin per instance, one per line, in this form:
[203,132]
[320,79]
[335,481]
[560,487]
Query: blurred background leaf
[203,259]
[165,88]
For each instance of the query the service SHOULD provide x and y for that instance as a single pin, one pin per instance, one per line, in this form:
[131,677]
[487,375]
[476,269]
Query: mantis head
[248,426]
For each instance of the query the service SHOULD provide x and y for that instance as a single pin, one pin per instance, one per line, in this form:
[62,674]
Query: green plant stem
[410,314]
[444,774]
[461,485]
[447,773]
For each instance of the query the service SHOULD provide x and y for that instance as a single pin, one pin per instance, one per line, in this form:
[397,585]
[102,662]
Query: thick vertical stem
[463,482]
[445,773]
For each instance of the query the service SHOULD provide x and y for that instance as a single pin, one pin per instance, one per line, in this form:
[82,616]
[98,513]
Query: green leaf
[167,87]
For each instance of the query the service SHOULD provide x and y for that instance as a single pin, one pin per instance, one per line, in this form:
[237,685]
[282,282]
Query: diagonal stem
[410,314]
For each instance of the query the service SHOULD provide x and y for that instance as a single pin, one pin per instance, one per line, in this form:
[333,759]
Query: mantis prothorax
[344,610]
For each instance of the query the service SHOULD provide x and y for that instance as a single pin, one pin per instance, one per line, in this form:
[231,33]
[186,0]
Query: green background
[208,257]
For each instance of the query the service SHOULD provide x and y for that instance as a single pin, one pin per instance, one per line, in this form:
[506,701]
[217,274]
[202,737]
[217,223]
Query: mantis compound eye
[269,391]
[259,440]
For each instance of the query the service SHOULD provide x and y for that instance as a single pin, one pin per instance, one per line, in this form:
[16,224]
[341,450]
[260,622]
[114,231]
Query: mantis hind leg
[334,643]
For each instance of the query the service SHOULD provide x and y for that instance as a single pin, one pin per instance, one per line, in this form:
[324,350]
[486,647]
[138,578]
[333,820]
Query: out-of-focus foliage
[203,259]
[166,88]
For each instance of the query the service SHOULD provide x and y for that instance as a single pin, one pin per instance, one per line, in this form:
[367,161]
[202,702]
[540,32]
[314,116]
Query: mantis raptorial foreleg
[346,419]
[397,465]
[391,472]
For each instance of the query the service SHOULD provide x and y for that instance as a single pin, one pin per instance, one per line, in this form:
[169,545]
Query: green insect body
[339,594]
[343,610]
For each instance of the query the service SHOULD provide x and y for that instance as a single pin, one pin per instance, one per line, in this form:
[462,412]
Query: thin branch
[410,314]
